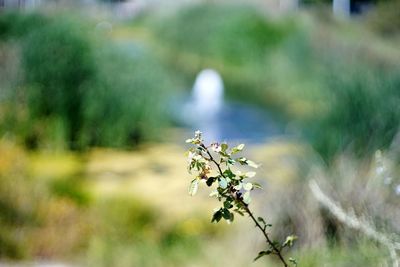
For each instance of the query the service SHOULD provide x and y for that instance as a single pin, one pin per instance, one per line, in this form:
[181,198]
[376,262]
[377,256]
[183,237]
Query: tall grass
[126,103]
[78,89]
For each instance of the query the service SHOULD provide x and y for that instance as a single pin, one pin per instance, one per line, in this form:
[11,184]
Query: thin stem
[276,251]
[213,160]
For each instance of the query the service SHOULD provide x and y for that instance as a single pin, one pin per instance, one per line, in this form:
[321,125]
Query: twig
[353,222]
[276,251]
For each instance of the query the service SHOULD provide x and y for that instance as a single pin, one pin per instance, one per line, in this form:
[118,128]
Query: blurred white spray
[206,103]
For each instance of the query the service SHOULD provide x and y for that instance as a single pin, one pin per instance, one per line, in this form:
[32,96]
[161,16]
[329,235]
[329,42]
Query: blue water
[238,121]
[233,123]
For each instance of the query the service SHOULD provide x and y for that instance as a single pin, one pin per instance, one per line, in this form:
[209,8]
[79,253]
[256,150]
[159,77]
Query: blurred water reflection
[221,119]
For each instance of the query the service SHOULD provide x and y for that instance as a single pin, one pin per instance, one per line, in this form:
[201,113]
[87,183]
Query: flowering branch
[232,188]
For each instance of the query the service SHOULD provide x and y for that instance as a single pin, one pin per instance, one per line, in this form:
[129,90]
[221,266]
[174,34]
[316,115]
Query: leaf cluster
[231,187]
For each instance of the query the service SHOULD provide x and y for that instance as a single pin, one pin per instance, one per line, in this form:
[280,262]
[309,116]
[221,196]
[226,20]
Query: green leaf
[226,214]
[257,185]
[252,164]
[229,173]
[232,217]
[242,160]
[228,204]
[210,181]
[224,147]
[231,161]
[261,220]
[217,216]
[262,253]
[237,149]
[246,197]
[239,212]
[223,155]
[222,182]
[294,261]
[276,244]
[289,241]
[194,185]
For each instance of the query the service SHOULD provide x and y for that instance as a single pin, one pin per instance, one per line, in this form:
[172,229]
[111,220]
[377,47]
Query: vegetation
[40,205]
[78,92]
[333,87]
[233,190]
[273,64]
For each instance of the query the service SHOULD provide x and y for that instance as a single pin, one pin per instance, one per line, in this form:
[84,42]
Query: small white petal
[250,174]
[248,186]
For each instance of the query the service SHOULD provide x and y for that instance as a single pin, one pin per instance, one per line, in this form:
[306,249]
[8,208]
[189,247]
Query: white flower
[191,156]
[197,134]
[198,157]
[216,147]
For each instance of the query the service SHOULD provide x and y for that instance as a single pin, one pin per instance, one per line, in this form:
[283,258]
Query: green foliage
[231,186]
[35,213]
[362,114]
[262,253]
[124,219]
[231,33]
[126,104]
[71,188]
[363,253]
[58,62]
[384,18]
[37,210]
[131,233]
[79,90]
[341,99]
[14,25]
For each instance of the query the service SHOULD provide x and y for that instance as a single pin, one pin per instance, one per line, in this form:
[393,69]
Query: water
[208,94]
[221,120]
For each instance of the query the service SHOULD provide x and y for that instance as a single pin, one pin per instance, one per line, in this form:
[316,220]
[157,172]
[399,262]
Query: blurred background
[97,98]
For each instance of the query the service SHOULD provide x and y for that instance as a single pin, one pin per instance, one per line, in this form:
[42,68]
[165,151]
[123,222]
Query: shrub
[14,24]
[58,62]
[80,90]
[362,111]
[126,103]
[234,34]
